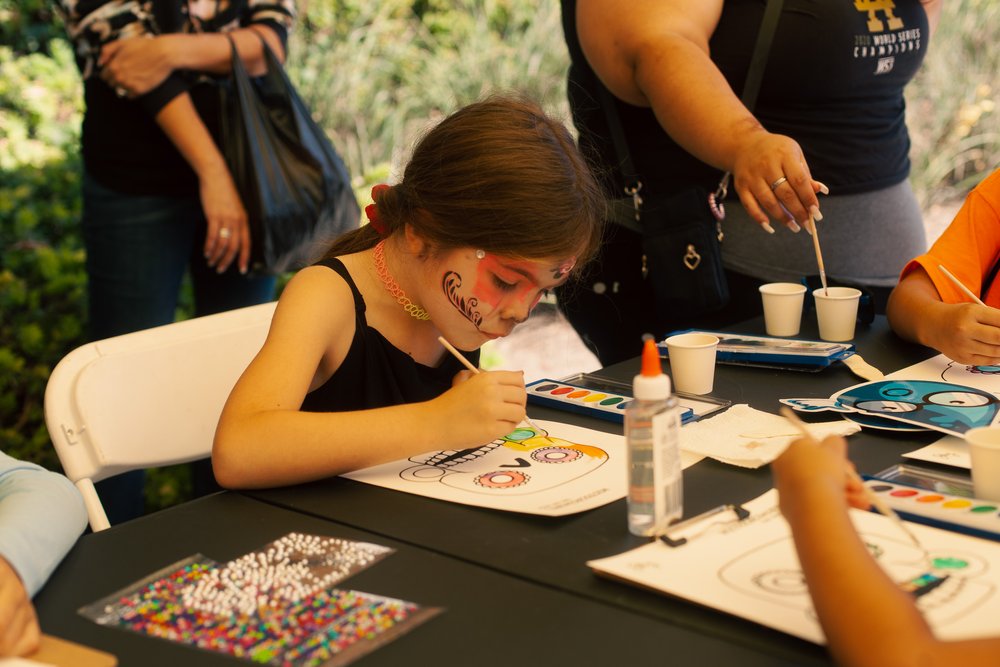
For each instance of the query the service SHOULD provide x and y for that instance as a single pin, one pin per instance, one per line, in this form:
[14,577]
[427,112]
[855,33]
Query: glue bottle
[652,437]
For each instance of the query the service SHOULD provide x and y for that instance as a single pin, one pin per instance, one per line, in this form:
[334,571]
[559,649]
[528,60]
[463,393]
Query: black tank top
[375,373]
[834,83]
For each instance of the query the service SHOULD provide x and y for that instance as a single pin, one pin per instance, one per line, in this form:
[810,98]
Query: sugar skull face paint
[496,293]
[452,285]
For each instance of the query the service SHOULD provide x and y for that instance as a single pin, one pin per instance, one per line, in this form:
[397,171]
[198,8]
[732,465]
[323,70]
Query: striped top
[123,147]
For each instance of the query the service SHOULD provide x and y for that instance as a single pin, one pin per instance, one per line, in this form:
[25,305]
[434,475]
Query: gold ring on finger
[224,233]
[778,182]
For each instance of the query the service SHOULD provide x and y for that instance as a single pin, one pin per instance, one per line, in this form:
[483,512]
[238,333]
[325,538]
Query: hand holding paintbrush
[870,495]
[468,364]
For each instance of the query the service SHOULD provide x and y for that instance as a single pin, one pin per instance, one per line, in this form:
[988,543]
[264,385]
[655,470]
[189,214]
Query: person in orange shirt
[929,308]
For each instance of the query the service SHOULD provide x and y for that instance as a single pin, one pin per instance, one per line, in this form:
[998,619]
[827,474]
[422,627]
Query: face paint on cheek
[485,289]
[451,284]
[523,289]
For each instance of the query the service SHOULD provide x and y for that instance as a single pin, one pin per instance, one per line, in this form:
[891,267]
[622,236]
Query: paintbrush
[468,364]
[959,285]
[870,495]
[819,254]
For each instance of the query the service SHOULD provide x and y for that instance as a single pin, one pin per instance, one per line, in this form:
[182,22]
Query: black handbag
[682,232]
[294,186]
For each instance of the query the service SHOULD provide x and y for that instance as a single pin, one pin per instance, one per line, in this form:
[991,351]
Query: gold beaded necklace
[394,289]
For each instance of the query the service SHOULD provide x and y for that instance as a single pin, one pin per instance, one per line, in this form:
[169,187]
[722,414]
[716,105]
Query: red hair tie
[372,210]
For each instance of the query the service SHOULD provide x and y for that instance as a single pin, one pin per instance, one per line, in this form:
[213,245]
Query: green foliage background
[376,74]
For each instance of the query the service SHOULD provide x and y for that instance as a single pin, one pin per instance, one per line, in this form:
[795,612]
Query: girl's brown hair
[499,175]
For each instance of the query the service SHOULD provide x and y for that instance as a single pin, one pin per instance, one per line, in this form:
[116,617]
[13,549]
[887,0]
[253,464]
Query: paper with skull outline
[566,470]
[941,368]
[750,569]
[941,406]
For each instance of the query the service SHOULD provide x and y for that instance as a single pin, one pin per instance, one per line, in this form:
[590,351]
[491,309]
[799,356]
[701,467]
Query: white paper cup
[692,361]
[984,450]
[836,312]
[782,307]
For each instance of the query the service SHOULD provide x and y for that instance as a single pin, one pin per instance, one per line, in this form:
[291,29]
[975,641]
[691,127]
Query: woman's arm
[656,54]
[853,597]
[220,201]
[933,9]
[264,439]
[140,65]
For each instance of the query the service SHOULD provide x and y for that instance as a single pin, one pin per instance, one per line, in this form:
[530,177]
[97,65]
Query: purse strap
[624,215]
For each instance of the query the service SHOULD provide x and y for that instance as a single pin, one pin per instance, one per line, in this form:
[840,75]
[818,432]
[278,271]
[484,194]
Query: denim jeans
[139,248]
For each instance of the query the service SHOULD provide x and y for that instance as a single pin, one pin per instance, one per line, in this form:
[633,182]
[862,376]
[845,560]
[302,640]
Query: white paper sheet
[571,469]
[750,438]
[949,450]
[943,369]
[750,569]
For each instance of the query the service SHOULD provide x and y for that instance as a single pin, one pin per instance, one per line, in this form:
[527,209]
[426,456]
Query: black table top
[490,618]
[515,586]
[552,551]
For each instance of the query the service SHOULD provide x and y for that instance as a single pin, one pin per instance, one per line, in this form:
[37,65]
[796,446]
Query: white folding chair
[147,399]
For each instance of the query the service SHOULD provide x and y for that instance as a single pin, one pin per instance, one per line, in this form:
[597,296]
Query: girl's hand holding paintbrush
[811,475]
[499,398]
[479,408]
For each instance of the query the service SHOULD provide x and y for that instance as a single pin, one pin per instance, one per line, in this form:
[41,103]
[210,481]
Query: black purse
[682,232]
[294,186]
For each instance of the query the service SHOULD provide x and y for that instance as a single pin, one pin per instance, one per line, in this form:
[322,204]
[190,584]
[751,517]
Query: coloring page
[750,569]
[943,369]
[563,470]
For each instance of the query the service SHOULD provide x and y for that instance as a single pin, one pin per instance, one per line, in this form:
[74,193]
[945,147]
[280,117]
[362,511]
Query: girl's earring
[480,253]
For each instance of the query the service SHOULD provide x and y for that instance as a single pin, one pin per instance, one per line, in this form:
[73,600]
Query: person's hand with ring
[772,179]
[137,65]
[228,236]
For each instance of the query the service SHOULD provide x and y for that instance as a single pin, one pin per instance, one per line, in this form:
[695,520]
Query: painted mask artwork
[522,462]
[940,406]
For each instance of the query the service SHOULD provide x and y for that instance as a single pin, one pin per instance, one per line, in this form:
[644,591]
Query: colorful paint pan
[943,510]
[600,403]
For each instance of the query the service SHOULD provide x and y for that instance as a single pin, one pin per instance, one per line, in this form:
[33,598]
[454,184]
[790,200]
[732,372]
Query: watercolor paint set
[772,352]
[607,399]
[936,499]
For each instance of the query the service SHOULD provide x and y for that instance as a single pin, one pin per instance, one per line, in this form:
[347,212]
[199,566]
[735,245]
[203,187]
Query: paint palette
[607,399]
[601,403]
[942,510]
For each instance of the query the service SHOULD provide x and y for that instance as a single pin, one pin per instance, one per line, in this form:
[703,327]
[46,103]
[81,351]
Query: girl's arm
[853,597]
[264,439]
[964,332]
[656,54]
